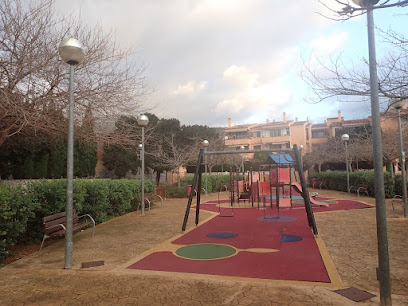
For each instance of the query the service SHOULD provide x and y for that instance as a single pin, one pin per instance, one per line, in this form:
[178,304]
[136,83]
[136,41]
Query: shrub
[175,191]
[214,181]
[96,200]
[337,180]
[16,208]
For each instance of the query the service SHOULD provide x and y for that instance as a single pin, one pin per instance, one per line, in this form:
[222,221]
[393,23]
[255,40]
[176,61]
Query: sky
[210,60]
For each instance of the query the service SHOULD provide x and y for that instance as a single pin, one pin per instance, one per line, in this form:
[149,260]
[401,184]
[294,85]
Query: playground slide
[298,188]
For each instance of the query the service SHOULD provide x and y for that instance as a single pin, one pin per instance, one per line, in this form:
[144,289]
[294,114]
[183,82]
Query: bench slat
[78,226]
[57,216]
[52,217]
[52,228]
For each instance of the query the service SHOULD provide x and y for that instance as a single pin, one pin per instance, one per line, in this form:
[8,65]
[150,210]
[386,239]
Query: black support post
[305,193]
[190,198]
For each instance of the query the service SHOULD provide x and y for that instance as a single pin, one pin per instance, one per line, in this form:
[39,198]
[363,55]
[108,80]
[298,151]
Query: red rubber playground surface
[253,243]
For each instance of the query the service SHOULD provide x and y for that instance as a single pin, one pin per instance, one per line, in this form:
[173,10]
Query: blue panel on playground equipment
[280,159]
[222,235]
[290,238]
[293,197]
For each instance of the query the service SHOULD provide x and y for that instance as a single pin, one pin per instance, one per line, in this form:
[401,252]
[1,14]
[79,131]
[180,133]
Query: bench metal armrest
[46,236]
[148,201]
[363,189]
[396,198]
[93,221]
[161,199]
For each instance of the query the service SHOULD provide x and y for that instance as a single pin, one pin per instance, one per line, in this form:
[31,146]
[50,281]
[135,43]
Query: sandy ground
[349,236]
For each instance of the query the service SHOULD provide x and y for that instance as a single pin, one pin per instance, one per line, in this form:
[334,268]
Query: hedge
[23,207]
[337,180]
[213,183]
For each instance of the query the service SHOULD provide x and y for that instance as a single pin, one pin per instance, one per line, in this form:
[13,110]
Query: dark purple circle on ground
[290,238]
[277,219]
[222,235]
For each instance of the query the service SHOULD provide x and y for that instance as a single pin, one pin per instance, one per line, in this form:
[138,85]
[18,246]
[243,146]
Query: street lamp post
[398,104]
[205,145]
[140,147]
[222,164]
[142,121]
[242,148]
[301,157]
[72,52]
[345,138]
[383,272]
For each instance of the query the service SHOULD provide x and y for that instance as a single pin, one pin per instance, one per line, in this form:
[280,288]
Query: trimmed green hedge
[214,182]
[337,180]
[22,208]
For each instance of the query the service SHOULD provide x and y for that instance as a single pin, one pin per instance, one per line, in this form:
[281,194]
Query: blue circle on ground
[277,219]
[290,238]
[222,235]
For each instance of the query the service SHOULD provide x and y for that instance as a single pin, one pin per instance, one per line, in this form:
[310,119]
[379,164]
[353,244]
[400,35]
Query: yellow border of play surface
[167,246]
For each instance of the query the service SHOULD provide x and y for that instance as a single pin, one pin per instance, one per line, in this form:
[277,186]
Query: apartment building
[286,133]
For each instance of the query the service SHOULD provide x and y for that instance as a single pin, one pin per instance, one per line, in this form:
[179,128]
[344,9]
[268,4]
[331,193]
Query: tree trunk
[158,177]
[179,178]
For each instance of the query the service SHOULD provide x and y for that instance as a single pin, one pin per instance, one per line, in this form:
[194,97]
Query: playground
[248,241]
[349,237]
[263,227]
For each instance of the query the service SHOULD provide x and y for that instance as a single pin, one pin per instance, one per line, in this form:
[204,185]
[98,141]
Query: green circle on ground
[206,251]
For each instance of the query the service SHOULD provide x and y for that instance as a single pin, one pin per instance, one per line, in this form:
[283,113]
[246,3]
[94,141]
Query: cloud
[249,95]
[189,88]
[324,45]
[241,76]
[211,59]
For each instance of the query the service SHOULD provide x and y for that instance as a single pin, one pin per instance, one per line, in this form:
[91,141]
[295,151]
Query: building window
[257,147]
[274,146]
[307,134]
[281,145]
[238,135]
[319,133]
[278,132]
[256,134]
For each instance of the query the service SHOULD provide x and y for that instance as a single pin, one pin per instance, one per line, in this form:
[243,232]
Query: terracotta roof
[319,125]
[362,121]
[240,127]
[275,124]
[300,123]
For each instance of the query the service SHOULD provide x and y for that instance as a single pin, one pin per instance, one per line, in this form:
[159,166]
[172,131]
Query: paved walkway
[349,236]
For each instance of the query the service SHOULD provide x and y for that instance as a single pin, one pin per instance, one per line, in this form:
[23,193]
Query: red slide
[298,188]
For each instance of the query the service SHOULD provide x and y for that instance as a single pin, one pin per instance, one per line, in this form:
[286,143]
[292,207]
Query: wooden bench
[149,198]
[224,186]
[359,188]
[316,183]
[55,225]
[398,199]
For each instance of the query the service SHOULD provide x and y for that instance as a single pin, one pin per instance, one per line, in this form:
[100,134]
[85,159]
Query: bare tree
[346,9]
[349,82]
[34,80]
[173,155]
